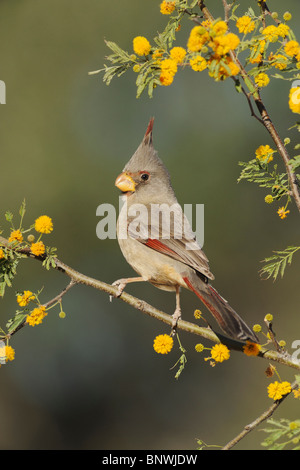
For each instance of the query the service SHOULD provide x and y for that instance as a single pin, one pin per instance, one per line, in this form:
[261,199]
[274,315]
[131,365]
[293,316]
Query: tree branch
[207,333]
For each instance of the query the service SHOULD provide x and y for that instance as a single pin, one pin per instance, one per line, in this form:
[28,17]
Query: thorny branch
[207,333]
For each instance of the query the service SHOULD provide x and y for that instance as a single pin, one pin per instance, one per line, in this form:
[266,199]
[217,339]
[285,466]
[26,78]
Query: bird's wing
[171,235]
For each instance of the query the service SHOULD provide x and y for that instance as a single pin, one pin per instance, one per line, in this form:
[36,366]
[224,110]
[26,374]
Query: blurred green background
[92,380]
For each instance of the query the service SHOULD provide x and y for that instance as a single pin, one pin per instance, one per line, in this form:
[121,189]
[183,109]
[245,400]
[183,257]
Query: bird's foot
[120,284]
[175,318]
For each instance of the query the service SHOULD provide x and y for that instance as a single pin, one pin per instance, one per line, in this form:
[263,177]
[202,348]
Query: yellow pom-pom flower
[43,224]
[9,353]
[220,28]
[270,33]
[37,248]
[220,353]
[36,316]
[283,30]
[197,39]
[198,63]
[166,8]
[264,153]
[2,255]
[25,298]
[163,344]
[245,24]
[292,48]
[294,100]
[277,390]
[262,79]
[269,199]
[141,46]
[16,236]
[178,54]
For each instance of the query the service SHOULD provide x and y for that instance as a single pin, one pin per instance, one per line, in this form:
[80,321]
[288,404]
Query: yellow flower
[256,328]
[43,224]
[166,78]
[277,390]
[168,70]
[251,349]
[282,212]
[264,153]
[271,33]
[269,317]
[220,28]
[9,353]
[287,16]
[198,37]
[224,44]
[36,316]
[197,314]
[292,48]
[141,45]
[269,199]
[166,8]
[198,63]
[199,347]
[294,100]
[24,299]
[296,393]
[280,61]
[282,30]
[37,248]
[136,68]
[178,54]
[16,235]
[245,24]
[163,344]
[2,255]
[262,79]
[169,66]
[220,353]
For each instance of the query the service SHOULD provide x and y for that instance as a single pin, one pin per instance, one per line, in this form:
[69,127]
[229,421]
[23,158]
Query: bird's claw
[120,284]
[175,318]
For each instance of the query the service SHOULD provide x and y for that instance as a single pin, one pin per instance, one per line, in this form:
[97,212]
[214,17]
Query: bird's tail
[230,322]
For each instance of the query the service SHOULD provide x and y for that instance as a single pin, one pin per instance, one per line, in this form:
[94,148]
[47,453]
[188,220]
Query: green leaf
[8,216]
[15,322]
[277,263]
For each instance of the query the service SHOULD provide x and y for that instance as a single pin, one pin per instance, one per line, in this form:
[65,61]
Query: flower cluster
[260,171]
[218,353]
[42,225]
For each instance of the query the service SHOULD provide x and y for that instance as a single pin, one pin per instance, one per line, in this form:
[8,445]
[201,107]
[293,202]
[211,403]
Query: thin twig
[265,415]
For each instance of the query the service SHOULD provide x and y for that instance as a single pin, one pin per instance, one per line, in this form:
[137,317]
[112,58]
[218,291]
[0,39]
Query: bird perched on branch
[157,240]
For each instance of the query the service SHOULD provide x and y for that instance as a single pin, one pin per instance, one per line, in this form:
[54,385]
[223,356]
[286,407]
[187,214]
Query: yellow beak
[125,183]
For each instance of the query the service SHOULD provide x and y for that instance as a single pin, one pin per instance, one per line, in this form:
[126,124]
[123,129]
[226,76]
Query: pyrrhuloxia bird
[167,262]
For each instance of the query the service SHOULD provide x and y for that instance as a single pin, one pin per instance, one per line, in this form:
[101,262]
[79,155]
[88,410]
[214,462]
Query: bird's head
[145,176]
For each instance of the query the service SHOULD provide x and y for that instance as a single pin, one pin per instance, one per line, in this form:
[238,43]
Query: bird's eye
[144,176]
